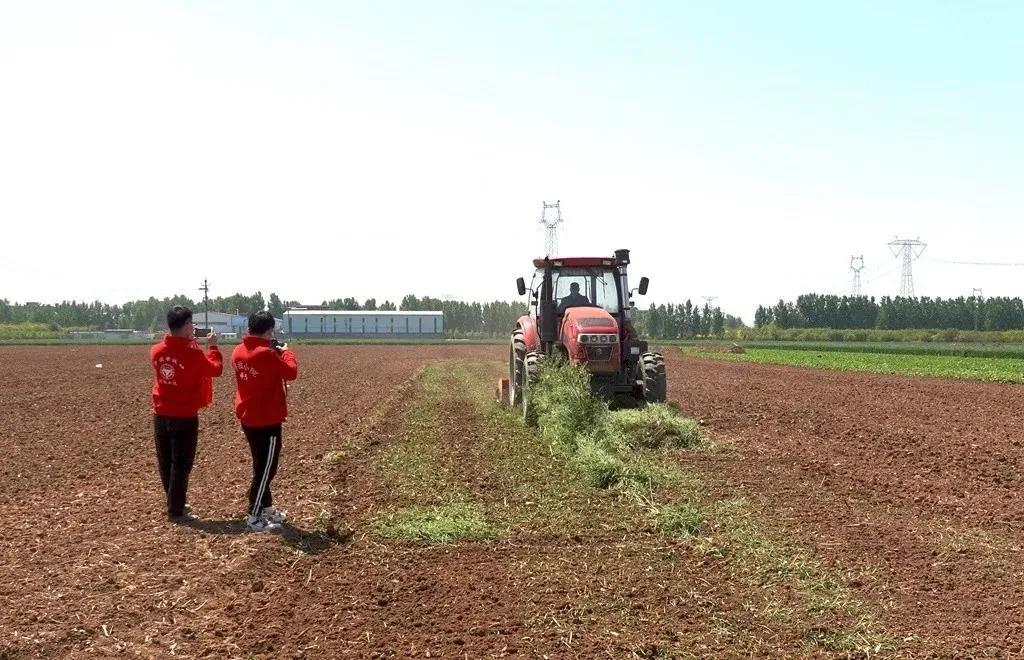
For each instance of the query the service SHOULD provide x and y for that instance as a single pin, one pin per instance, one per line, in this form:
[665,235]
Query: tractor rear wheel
[652,367]
[516,366]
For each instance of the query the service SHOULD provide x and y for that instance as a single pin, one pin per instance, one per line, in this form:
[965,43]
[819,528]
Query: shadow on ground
[306,541]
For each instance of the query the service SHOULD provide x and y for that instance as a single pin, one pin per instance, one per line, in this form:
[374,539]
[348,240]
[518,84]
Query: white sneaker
[274,515]
[261,524]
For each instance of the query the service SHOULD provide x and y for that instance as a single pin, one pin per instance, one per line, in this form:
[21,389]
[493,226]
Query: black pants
[265,446]
[176,439]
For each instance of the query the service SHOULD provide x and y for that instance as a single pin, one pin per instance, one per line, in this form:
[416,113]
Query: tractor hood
[590,336]
[589,319]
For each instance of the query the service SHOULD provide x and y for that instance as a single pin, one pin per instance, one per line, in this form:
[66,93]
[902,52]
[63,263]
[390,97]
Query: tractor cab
[594,286]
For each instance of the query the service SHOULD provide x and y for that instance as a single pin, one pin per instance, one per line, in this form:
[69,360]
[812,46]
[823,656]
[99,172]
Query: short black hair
[260,322]
[178,316]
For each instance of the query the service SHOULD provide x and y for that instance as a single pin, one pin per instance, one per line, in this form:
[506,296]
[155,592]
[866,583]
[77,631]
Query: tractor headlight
[598,338]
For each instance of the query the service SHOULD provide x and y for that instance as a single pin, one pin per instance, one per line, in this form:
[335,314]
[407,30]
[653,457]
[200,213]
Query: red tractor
[579,308]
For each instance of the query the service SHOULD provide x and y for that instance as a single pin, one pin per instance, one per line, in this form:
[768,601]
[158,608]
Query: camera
[278,345]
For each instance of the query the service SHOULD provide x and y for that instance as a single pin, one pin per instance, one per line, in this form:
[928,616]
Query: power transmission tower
[856,265]
[710,300]
[206,302]
[976,293]
[551,226]
[910,249]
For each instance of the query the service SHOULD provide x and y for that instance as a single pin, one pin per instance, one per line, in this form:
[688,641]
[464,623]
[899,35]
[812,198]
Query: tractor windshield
[585,287]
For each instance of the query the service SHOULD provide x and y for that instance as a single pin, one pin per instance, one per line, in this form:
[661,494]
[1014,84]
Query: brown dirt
[90,567]
[907,485]
[914,484]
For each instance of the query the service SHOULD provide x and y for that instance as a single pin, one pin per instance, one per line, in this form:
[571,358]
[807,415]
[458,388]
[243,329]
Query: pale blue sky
[743,150]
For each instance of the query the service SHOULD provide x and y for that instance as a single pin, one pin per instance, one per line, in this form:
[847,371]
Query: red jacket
[260,373]
[183,376]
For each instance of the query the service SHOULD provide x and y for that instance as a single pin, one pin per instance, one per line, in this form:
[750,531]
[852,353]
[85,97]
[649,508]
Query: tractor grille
[598,353]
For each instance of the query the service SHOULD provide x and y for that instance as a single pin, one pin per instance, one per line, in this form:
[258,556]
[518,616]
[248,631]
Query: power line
[978,263]
[879,273]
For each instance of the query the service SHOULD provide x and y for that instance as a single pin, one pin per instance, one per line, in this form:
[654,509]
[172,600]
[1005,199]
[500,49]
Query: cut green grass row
[599,443]
[1000,369]
[429,504]
[455,436]
[444,523]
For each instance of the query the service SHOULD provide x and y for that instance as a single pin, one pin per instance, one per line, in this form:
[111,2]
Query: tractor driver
[574,299]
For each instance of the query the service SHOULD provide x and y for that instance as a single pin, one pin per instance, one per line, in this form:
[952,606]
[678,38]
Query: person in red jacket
[262,367]
[182,384]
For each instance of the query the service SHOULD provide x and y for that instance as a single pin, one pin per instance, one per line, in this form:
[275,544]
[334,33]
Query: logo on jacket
[167,371]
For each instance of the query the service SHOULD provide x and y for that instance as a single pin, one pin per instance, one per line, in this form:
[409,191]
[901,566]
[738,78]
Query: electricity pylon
[910,249]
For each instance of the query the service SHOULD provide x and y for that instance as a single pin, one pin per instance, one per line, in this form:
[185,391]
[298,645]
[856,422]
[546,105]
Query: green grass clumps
[598,442]
[566,413]
[445,523]
[682,520]
[655,426]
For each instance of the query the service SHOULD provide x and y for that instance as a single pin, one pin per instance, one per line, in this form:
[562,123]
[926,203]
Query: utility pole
[910,249]
[551,226]
[206,303]
[856,265]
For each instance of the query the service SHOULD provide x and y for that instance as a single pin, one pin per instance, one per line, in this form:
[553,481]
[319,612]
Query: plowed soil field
[914,483]
[905,491]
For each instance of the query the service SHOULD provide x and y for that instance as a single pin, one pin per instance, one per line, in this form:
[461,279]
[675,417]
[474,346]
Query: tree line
[496,318]
[460,317]
[684,321]
[814,310]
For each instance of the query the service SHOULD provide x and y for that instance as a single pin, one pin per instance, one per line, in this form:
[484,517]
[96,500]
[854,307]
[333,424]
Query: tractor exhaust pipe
[548,312]
[622,260]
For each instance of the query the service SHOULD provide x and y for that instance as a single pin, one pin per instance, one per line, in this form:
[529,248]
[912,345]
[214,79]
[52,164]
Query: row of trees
[146,314]
[462,318]
[861,312]
[684,321]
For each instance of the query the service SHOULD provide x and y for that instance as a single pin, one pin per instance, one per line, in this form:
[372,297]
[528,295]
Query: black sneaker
[184,519]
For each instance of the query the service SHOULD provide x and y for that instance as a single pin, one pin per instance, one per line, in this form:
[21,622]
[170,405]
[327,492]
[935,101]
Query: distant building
[221,322]
[227,324]
[363,324]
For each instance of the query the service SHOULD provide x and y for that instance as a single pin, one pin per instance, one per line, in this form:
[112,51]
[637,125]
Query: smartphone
[203,332]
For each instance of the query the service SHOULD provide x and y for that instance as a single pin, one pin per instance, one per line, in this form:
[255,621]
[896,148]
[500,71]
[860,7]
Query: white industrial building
[363,323]
[227,324]
[221,323]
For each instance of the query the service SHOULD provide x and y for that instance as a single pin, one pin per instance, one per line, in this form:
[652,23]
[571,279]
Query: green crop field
[916,362]
[963,349]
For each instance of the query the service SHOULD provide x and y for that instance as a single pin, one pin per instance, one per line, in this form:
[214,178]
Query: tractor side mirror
[643,286]
[521,285]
